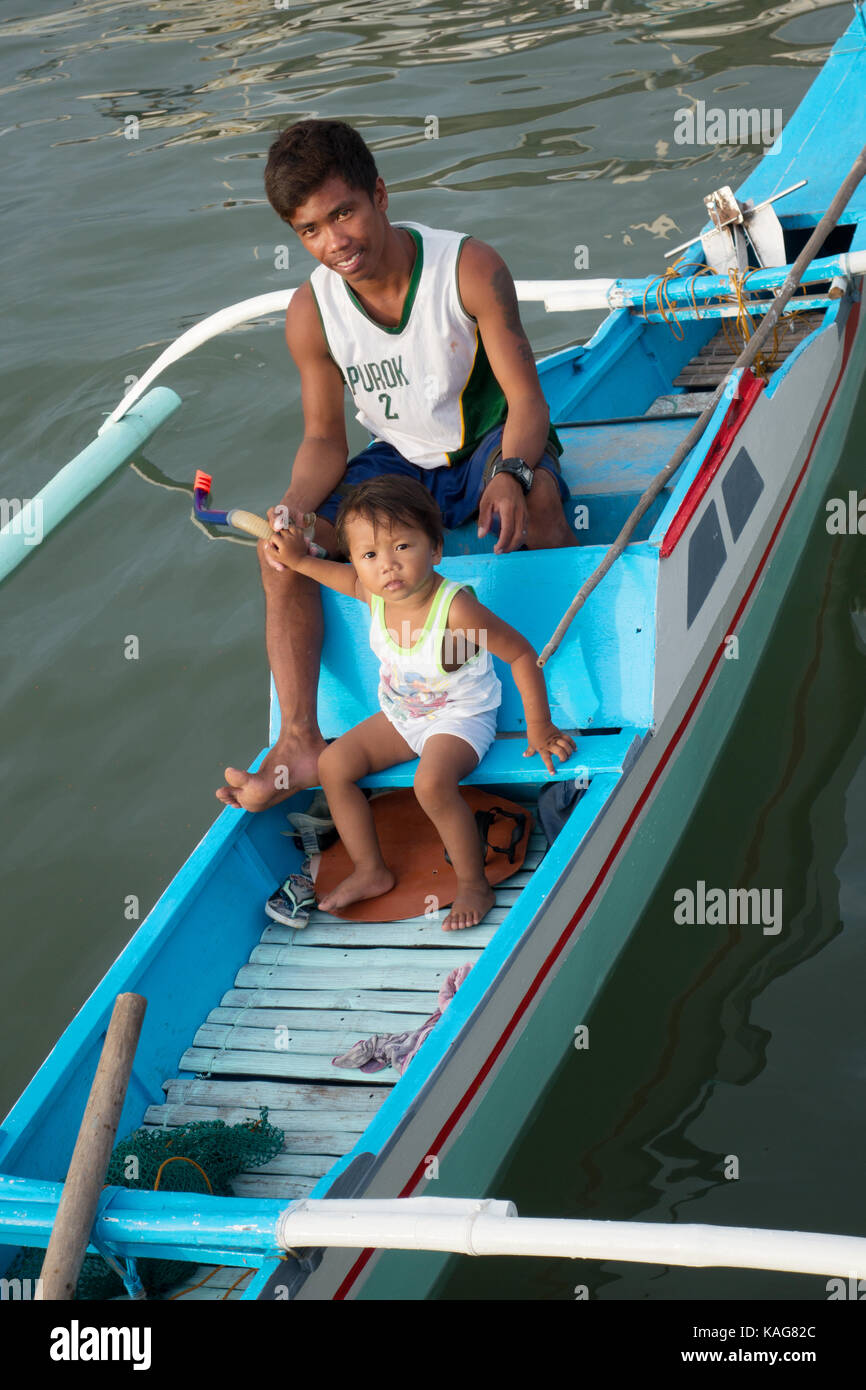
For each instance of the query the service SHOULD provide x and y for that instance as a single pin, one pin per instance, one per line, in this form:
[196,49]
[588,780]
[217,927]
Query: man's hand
[504,497]
[546,739]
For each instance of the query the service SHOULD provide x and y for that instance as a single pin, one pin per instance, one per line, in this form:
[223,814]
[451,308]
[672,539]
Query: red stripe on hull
[749,389]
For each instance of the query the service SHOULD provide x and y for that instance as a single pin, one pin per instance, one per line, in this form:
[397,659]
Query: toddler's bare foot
[472,904]
[363,883]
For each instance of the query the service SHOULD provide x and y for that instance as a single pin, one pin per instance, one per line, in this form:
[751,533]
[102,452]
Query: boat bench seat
[614,458]
[600,678]
[606,467]
[599,752]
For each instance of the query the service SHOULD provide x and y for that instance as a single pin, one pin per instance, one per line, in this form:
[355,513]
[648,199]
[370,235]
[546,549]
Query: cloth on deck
[556,801]
[398,1049]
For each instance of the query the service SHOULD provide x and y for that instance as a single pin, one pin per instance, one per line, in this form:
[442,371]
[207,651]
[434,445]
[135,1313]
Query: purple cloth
[397,1049]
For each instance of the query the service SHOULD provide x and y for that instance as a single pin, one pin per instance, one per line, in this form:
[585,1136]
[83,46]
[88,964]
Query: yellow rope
[192,1287]
[179,1159]
[743,322]
[744,325]
[241,1276]
[664,304]
[737,334]
[768,361]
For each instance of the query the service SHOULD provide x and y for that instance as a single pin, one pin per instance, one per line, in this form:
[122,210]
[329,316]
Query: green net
[200,1157]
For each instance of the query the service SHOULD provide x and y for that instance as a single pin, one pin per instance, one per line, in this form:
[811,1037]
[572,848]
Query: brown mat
[412,849]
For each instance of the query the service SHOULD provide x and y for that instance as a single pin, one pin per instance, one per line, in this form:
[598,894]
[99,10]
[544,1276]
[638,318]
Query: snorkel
[245,521]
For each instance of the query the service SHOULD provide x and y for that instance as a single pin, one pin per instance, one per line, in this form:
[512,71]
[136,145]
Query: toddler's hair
[391,499]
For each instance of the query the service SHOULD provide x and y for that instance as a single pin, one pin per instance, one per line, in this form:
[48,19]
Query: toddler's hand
[286,547]
[546,739]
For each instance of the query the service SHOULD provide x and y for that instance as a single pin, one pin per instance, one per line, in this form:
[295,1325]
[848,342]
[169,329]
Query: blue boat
[649,678]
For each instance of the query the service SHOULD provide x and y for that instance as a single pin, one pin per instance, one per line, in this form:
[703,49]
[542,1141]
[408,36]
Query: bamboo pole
[84,1181]
[745,359]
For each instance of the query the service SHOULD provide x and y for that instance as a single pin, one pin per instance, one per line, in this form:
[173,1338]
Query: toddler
[438,691]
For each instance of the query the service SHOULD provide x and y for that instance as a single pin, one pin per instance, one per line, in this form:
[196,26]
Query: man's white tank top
[425,386]
[413,683]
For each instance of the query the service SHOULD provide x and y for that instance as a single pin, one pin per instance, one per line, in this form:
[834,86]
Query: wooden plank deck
[304,996]
[716,357]
[211,1283]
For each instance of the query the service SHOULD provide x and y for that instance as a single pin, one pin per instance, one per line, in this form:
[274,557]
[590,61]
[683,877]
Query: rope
[664,305]
[243,1274]
[180,1159]
[193,1287]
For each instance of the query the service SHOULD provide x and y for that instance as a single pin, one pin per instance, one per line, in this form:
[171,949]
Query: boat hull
[490,1082]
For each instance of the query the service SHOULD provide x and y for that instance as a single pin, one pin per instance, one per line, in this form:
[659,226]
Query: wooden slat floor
[716,357]
[211,1283]
[303,997]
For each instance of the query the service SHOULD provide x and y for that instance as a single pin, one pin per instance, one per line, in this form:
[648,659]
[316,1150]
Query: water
[555,130]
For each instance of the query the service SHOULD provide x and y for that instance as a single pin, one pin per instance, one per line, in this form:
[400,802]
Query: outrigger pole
[794,276]
[557,295]
[133,1224]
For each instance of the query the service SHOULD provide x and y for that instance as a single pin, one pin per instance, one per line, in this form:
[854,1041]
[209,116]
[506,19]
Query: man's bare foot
[290,766]
[363,883]
[472,904]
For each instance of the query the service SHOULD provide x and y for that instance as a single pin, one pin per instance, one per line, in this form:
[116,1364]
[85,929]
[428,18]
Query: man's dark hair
[391,499]
[307,154]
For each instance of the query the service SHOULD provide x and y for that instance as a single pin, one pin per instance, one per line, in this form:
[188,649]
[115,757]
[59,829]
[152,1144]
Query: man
[422,327]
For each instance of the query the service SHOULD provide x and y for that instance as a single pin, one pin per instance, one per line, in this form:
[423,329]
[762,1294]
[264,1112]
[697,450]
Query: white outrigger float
[743,458]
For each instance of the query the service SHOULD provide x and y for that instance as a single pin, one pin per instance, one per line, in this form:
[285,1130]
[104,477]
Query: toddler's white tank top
[413,683]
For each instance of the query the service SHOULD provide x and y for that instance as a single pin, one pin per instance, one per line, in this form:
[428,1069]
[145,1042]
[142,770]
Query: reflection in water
[150,473]
[274,66]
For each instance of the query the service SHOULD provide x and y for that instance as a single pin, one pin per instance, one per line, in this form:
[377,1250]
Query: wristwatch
[517,467]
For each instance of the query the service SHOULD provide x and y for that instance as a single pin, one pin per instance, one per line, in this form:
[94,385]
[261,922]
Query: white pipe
[220,322]
[594,292]
[557,296]
[470,1227]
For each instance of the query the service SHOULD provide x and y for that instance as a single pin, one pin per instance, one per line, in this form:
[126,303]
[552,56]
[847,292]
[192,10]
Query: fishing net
[200,1157]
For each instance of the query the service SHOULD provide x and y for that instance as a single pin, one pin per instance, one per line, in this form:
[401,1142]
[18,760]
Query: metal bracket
[735,224]
[725,247]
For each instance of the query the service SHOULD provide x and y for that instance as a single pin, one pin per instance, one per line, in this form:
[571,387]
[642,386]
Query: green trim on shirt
[414,281]
[378,606]
[482,405]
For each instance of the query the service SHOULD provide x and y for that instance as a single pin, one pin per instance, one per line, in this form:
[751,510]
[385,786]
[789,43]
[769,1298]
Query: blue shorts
[457,489]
